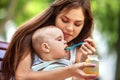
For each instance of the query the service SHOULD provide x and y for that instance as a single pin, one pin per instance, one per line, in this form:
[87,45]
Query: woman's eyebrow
[68,18]
[64,16]
[81,21]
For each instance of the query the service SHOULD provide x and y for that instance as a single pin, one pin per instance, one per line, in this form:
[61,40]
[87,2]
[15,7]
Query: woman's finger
[91,42]
[90,49]
[87,49]
[83,74]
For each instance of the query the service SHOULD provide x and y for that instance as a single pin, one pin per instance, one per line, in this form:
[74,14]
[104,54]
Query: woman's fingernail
[93,65]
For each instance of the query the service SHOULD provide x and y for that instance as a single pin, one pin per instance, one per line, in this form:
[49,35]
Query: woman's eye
[65,20]
[77,24]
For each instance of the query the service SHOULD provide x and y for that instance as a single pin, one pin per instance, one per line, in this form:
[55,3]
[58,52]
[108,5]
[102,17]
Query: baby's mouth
[65,47]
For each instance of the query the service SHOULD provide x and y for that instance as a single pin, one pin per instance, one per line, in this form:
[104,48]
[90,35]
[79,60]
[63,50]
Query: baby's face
[57,43]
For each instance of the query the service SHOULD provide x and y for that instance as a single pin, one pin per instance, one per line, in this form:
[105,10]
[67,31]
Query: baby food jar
[94,70]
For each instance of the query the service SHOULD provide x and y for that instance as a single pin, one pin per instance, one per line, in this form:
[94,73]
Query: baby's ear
[45,47]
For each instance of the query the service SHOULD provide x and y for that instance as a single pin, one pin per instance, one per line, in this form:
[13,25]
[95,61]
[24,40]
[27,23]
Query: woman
[74,18]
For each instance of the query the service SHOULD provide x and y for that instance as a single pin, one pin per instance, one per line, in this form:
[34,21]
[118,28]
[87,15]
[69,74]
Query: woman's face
[71,23]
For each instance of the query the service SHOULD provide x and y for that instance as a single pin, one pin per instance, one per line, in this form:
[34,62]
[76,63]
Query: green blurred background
[106,33]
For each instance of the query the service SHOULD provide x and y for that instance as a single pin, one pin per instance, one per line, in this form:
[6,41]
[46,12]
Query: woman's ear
[45,47]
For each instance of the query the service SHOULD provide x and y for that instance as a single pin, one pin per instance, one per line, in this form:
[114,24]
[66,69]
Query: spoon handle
[73,46]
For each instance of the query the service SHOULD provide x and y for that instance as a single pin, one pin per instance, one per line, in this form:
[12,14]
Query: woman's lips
[67,35]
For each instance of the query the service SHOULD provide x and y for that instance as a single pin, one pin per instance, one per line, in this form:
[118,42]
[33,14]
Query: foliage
[106,13]
[3,8]
[19,11]
[27,9]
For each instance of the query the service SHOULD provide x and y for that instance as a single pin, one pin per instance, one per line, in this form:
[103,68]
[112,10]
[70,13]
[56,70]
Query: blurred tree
[19,11]
[107,13]
[28,9]
[7,11]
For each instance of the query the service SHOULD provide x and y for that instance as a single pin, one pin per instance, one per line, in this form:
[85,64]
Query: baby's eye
[59,39]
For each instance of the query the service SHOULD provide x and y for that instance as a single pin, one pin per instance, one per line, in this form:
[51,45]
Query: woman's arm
[24,71]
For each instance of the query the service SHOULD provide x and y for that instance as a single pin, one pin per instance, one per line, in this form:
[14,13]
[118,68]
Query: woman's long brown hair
[21,43]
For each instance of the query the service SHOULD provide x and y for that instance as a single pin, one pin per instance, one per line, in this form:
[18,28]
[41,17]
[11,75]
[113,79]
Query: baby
[49,46]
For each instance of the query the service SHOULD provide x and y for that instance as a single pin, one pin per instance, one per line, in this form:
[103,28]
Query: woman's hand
[88,48]
[76,70]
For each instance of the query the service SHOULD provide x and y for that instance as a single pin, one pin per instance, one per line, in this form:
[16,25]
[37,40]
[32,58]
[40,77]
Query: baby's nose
[65,41]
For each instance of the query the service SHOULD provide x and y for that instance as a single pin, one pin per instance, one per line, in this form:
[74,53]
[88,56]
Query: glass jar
[92,70]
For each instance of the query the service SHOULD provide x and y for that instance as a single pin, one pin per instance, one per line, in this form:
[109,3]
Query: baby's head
[48,42]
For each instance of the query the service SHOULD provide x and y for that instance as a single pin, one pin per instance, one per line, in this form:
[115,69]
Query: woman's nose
[69,27]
